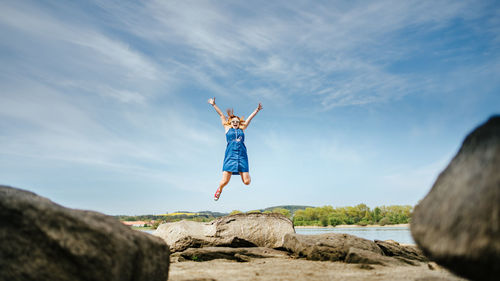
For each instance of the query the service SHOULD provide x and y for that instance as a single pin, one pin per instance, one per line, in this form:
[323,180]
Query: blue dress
[235,158]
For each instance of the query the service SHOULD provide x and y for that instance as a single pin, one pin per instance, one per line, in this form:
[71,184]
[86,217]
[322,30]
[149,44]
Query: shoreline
[354,226]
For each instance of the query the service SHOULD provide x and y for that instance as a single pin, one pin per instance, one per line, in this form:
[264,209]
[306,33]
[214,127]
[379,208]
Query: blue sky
[103,104]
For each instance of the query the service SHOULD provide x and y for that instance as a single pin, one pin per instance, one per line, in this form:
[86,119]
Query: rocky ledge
[243,237]
[202,251]
[249,245]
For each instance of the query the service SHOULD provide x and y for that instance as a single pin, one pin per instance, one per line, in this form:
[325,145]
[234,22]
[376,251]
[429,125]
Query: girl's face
[235,123]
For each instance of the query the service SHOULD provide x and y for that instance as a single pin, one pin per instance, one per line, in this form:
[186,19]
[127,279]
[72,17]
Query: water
[400,234]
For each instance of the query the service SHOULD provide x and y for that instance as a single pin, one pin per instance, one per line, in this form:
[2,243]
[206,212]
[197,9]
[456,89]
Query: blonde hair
[230,115]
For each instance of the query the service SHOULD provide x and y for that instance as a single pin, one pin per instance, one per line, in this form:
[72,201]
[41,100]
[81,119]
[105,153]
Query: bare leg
[245,177]
[226,176]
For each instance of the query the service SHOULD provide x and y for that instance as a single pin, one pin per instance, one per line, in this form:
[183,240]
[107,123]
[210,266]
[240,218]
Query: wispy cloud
[43,123]
[333,45]
[84,56]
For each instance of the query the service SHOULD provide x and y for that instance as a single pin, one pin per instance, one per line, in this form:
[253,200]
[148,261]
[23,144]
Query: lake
[400,234]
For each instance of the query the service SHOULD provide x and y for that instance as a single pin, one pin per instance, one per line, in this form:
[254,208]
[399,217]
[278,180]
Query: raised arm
[247,122]
[222,117]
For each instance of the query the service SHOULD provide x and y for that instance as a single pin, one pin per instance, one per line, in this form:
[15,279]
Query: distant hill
[213,214]
[197,214]
[291,208]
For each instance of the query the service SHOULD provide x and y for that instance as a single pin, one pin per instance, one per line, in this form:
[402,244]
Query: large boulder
[458,223]
[239,230]
[184,234]
[40,240]
[263,230]
[327,247]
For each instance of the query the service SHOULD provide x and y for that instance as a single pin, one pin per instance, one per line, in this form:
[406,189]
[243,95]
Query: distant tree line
[308,216]
[359,215]
[138,218]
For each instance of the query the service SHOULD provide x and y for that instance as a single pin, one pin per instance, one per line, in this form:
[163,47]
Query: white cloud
[124,96]
[75,54]
[117,53]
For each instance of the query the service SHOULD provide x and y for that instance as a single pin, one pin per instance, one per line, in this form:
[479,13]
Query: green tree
[376,214]
[363,222]
[384,221]
[311,214]
[336,220]
[282,211]
[324,221]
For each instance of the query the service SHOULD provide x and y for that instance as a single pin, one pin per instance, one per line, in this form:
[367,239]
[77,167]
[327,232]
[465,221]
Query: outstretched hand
[259,108]
[211,101]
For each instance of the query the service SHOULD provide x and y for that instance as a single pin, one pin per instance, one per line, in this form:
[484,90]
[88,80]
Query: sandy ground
[298,269]
[354,226]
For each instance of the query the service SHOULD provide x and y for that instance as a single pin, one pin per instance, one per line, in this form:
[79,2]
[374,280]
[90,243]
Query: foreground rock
[40,240]
[458,223]
[327,247]
[239,230]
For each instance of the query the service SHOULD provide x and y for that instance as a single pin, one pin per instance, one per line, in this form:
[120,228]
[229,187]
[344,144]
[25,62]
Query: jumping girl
[235,158]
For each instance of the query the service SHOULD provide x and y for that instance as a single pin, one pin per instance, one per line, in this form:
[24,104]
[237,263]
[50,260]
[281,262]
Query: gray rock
[239,230]
[237,254]
[263,230]
[458,223]
[40,240]
[393,248]
[186,234]
[355,255]
[327,247]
